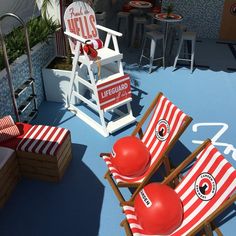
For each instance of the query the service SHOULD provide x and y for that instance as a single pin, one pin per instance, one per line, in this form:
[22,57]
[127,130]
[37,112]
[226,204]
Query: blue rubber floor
[83,204]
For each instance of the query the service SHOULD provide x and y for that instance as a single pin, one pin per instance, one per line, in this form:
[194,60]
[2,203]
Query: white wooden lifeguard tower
[109,88]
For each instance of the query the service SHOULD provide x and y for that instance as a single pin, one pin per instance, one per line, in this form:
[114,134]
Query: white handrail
[75,36]
[113,32]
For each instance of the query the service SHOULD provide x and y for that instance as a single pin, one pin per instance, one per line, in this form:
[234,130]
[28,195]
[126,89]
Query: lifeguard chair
[108,88]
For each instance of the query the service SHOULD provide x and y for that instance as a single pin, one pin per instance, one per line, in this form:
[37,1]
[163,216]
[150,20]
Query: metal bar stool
[151,17]
[186,36]
[125,17]
[153,27]
[139,22]
[179,29]
[154,36]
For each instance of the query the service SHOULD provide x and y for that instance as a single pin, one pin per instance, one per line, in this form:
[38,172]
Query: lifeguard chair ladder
[110,91]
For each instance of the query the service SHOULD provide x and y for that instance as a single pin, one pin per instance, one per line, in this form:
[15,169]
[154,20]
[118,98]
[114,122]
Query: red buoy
[130,156]
[158,209]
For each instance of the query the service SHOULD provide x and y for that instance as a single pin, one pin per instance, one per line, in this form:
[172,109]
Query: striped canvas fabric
[8,129]
[210,182]
[9,133]
[42,139]
[165,123]
[6,122]
[13,142]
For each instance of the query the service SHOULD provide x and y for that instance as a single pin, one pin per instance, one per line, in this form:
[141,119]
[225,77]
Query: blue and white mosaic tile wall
[203,17]
[41,54]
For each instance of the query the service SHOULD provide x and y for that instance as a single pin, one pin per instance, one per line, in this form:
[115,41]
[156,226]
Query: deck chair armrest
[127,203]
[112,32]
[125,224]
[138,130]
[170,178]
[104,154]
[75,36]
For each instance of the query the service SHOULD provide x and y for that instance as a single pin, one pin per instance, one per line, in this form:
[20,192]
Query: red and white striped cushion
[8,129]
[13,143]
[167,111]
[6,122]
[196,210]
[42,139]
[9,133]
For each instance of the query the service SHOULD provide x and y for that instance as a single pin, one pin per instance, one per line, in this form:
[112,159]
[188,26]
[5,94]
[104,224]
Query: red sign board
[114,91]
[80,19]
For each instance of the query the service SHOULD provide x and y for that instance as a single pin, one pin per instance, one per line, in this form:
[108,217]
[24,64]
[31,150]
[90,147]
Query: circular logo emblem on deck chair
[233,9]
[205,186]
[162,130]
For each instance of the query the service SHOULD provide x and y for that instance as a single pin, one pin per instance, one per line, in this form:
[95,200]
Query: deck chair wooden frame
[163,159]
[207,225]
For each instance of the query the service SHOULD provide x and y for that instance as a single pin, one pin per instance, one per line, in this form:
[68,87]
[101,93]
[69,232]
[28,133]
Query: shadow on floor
[227,215]
[178,153]
[66,208]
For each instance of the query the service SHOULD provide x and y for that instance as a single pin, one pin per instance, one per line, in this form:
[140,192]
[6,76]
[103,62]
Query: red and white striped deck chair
[166,125]
[206,190]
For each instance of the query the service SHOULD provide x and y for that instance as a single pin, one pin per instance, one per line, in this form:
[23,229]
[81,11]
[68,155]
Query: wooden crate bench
[44,152]
[9,173]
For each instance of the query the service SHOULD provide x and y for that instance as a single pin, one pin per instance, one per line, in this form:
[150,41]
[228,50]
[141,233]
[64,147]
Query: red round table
[169,19]
[140,5]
